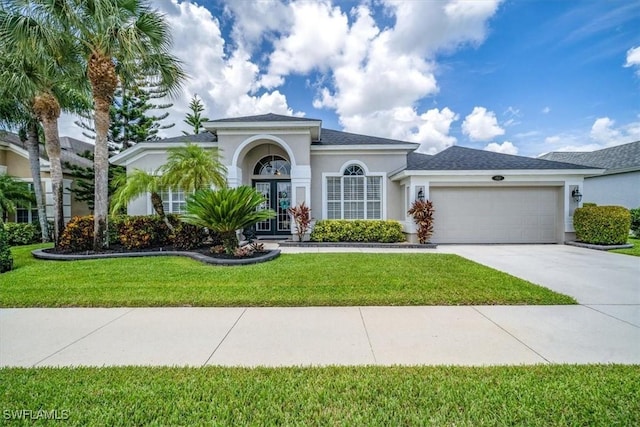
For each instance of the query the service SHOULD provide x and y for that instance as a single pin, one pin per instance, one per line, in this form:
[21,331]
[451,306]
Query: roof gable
[462,158]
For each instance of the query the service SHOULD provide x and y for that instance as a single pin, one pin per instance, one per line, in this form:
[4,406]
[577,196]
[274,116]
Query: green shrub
[602,225]
[187,236]
[139,232]
[77,235]
[635,222]
[21,233]
[589,204]
[6,260]
[338,230]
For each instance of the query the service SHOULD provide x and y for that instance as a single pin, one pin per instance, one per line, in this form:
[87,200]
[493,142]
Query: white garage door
[495,215]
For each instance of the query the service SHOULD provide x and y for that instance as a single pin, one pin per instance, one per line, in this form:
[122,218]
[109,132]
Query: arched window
[272,165]
[354,195]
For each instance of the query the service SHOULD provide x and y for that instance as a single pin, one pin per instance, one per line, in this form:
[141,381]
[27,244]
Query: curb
[290,244]
[272,254]
[598,247]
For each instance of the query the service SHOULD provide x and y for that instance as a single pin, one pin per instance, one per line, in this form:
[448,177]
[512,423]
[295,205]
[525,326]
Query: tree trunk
[102,75]
[156,202]
[33,147]
[47,109]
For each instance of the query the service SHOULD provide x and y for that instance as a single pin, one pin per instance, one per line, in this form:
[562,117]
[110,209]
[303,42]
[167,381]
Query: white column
[234,176]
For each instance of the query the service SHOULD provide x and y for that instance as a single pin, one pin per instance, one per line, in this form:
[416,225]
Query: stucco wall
[298,143]
[620,189]
[17,165]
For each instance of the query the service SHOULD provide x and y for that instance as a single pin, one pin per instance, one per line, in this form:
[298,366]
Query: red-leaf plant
[422,213]
[302,217]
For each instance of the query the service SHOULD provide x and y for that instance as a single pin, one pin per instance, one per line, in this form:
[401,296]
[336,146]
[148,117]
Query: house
[14,161]
[479,196]
[620,182]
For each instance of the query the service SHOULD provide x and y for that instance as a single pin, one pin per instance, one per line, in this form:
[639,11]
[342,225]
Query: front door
[278,197]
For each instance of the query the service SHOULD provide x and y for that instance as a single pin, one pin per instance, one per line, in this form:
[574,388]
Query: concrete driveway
[590,276]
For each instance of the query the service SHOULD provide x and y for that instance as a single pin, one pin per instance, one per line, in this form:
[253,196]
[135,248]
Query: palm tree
[13,193]
[118,38]
[43,76]
[225,211]
[17,115]
[188,168]
[134,185]
[192,168]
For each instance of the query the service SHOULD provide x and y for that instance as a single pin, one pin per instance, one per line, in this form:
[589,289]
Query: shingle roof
[200,137]
[69,153]
[416,161]
[620,157]
[336,137]
[462,158]
[265,118]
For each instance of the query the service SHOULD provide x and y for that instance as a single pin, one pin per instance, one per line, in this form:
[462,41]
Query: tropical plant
[302,218]
[226,210]
[40,72]
[192,168]
[6,260]
[194,119]
[116,39]
[130,117]
[134,185]
[422,213]
[84,180]
[13,193]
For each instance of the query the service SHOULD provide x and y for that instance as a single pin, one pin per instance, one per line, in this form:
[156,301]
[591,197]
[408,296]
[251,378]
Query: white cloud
[255,20]
[546,110]
[425,27]
[505,148]
[603,134]
[481,125]
[633,59]
[430,129]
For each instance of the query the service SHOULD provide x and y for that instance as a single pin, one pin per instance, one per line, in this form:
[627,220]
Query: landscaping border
[598,247]
[272,254]
[403,245]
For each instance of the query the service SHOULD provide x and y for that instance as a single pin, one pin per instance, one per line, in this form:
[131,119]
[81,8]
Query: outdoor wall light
[576,195]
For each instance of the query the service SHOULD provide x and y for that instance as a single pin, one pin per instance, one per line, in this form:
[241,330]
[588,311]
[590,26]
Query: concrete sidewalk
[479,335]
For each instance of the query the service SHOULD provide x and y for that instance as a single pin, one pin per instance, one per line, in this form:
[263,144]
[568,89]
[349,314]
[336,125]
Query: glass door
[277,194]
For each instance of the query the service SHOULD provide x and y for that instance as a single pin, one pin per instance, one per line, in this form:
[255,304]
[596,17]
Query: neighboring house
[620,182]
[14,161]
[479,196]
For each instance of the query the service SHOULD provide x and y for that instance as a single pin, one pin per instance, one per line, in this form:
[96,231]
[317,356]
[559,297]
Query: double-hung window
[354,195]
[27,213]
[173,201]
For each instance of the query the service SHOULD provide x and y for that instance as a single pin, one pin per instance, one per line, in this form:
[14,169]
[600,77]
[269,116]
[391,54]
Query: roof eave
[477,172]
[123,158]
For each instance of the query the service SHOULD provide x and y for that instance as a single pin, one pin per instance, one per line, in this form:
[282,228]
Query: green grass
[635,250]
[542,395]
[290,280]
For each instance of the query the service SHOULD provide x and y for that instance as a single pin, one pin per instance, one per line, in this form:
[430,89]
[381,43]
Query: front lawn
[635,250]
[542,395]
[290,280]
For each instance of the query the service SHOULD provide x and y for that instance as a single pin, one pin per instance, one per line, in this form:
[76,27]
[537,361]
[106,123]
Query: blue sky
[520,77]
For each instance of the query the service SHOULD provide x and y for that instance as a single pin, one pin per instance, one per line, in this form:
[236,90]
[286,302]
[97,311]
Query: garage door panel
[495,215]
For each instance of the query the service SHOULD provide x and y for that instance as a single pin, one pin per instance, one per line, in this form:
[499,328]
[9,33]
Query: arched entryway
[272,179]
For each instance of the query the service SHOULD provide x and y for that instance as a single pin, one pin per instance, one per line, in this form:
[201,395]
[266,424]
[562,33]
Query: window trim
[367,173]
[170,201]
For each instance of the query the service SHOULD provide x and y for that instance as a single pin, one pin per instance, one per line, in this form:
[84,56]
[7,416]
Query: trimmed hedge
[22,233]
[369,231]
[6,259]
[635,222]
[602,225]
[77,235]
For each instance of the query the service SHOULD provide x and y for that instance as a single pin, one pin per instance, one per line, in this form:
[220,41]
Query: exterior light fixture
[421,195]
[576,195]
